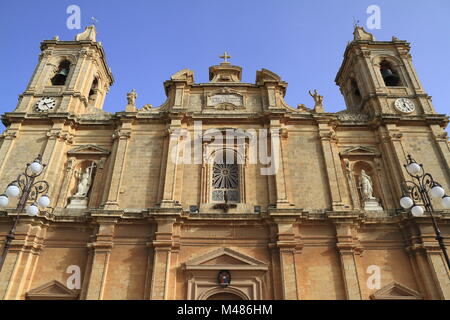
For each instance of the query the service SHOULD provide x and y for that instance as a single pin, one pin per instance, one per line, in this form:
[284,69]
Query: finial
[56,38]
[225,57]
[355,23]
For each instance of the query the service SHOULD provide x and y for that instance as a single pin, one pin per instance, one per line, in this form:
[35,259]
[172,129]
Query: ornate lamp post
[422,188]
[27,189]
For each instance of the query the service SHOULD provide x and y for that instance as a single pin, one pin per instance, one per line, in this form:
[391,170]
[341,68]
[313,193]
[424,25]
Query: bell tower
[378,77]
[71,76]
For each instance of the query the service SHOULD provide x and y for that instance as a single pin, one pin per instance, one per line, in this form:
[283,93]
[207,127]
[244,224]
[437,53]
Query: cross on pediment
[225,57]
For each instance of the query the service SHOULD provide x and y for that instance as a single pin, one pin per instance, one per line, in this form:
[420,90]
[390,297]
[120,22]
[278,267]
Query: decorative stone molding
[247,275]
[328,136]
[8,135]
[225,99]
[396,291]
[61,136]
[88,150]
[441,137]
[352,117]
[53,290]
[119,134]
[360,151]
[393,136]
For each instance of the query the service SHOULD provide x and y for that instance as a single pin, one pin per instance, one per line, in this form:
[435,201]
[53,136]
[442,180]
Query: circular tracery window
[225,176]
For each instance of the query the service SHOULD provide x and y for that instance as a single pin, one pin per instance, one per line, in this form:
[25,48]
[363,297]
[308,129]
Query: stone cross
[225,57]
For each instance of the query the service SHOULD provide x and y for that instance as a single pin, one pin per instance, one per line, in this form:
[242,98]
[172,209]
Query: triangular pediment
[360,151]
[53,290]
[225,258]
[88,149]
[396,291]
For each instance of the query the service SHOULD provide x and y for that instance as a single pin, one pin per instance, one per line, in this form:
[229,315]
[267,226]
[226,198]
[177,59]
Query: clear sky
[302,41]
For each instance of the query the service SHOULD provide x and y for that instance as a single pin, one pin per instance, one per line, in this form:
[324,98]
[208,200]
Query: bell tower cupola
[70,77]
[378,77]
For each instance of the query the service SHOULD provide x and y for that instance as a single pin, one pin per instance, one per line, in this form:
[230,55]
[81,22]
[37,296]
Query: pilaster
[347,247]
[99,254]
[165,250]
[285,242]
[121,138]
[22,258]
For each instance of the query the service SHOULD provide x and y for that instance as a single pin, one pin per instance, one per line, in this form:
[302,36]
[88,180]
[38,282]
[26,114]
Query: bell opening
[389,77]
[61,75]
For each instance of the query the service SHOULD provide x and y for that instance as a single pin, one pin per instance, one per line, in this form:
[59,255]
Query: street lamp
[27,189]
[422,188]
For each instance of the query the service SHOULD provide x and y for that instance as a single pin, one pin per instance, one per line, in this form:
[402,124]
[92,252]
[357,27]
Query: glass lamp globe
[32,210]
[406,202]
[417,211]
[3,200]
[13,191]
[437,192]
[44,201]
[35,167]
[446,202]
[413,168]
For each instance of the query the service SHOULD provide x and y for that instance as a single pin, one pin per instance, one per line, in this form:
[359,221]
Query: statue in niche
[85,181]
[85,177]
[318,101]
[366,185]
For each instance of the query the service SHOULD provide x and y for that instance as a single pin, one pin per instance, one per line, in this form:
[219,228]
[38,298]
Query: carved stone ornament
[352,117]
[225,99]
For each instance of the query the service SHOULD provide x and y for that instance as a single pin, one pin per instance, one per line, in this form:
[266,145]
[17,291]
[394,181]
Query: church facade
[224,191]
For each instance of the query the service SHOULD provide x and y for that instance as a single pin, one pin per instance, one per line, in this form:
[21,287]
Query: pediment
[185,75]
[360,151]
[396,291]
[53,290]
[266,75]
[88,149]
[225,258]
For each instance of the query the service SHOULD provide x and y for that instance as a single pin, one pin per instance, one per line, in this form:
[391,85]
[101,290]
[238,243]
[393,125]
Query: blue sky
[302,41]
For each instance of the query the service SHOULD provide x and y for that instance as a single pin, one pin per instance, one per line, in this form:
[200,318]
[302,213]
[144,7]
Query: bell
[390,78]
[60,77]
[64,72]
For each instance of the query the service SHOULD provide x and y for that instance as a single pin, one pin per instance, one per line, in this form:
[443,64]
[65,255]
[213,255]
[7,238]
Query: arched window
[390,76]
[60,77]
[225,177]
[356,94]
[93,91]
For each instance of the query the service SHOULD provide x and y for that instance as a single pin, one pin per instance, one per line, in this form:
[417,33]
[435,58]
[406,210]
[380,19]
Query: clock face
[404,105]
[45,104]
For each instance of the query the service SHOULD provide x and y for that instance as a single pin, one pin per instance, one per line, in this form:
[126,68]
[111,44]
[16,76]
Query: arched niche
[78,159]
[357,158]
[357,168]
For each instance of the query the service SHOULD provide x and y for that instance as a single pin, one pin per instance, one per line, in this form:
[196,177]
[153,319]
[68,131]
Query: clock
[45,104]
[404,105]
